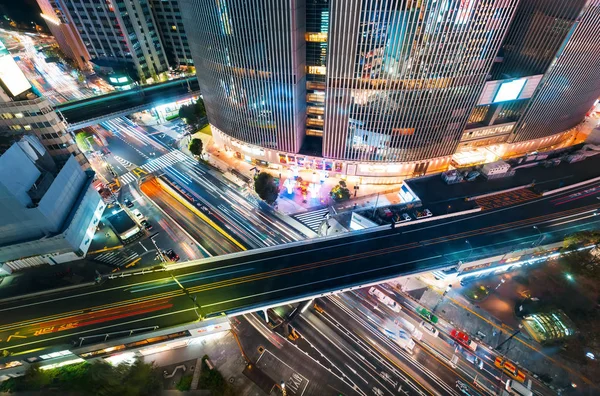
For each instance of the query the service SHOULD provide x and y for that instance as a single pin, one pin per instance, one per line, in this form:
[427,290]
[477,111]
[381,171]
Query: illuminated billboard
[510,90]
[12,77]
[464,11]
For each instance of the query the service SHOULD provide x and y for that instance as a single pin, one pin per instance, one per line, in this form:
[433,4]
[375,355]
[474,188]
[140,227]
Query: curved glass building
[382,87]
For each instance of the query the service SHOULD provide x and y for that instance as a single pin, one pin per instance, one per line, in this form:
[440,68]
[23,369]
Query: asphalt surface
[249,280]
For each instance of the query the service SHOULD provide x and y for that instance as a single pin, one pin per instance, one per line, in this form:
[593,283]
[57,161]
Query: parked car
[406,217]
[428,327]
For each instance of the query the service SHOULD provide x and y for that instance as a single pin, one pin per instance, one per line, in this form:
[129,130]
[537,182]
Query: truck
[402,338]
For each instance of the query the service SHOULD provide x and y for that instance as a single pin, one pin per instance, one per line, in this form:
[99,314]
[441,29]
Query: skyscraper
[390,89]
[64,31]
[169,21]
[250,63]
[121,33]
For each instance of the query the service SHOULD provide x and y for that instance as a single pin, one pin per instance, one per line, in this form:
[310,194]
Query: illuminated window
[173,27]
[19,115]
[320,70]
[27,127]
[315,37]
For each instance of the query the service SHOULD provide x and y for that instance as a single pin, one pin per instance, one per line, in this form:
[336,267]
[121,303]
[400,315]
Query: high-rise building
[64,31]
[250,63]
[48,214]
[24,113]
[172,32]
[548,58]
[120,33]
[388,88]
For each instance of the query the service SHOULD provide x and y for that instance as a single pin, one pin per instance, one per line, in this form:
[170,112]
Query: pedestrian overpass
[91,111]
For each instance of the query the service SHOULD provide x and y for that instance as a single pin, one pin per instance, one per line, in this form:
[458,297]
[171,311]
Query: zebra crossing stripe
[312,220]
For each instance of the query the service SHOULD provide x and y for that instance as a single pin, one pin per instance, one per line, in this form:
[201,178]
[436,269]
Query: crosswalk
[312,220]
[117,258]
[123,162]
[156,164]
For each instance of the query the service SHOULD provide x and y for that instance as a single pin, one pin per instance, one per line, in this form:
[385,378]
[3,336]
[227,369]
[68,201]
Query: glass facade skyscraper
[387,87]
[249,58]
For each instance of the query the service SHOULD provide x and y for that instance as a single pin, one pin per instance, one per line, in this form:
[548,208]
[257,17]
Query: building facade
[48,214]
[393,89]
[24,113]
[120,33]
[64,31]
[250,64]
[169,21]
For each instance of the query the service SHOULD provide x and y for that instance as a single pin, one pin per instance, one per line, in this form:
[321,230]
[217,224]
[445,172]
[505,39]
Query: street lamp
[283,391]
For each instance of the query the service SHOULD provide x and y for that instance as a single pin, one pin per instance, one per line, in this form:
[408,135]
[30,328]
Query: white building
[46,217]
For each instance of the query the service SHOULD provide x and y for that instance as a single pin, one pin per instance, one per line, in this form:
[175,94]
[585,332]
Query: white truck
[401,338]
[385,299]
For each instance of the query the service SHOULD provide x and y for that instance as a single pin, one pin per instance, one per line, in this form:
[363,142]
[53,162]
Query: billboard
[510,90]
[12,77]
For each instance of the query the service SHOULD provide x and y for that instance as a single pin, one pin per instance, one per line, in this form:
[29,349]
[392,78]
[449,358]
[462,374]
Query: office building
[64,31]
[48,214]
[172,32]
[24,113]
[546,79]
[384,90]
[120,34]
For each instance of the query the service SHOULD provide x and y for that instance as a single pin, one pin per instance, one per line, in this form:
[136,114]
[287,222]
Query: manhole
[231,380]
[261,349]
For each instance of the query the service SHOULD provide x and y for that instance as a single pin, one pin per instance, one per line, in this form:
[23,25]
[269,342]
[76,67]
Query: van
[429,328]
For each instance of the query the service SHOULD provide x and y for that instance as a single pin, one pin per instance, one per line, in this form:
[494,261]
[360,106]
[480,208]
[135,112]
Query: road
[137,151]
[54,81]
[366,354]
[259,277]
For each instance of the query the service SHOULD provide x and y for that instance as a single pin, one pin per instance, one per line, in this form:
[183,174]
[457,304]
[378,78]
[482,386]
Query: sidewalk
[487,330]
[292,203]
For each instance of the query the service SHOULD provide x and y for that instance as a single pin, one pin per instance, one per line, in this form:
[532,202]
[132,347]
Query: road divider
[175,194]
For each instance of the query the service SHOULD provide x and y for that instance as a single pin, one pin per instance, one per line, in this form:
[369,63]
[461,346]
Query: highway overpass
[252,280]
[82,113]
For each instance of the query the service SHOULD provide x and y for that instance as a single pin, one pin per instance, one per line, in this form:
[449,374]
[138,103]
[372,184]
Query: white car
[428,327]
[406,217]
[425,213]
[138,214]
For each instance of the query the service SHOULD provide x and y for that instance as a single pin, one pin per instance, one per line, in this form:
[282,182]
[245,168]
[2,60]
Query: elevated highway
[82,113]
[256,279]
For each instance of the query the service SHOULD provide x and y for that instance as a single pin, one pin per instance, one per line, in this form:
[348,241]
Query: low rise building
[48,214]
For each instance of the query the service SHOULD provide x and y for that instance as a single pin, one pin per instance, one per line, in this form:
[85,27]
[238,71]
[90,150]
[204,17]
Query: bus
[510,369]
[515,388]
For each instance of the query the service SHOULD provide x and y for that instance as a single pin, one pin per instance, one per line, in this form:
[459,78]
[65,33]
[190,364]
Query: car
[128,203]
[138,214]
[406,217]
[171,255]
[428,327]
[146,225]
[463,388]
[425,213]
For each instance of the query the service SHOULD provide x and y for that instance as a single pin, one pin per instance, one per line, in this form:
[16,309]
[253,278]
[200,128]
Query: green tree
[264,185]
[188,113]
[582,238]
[340,192]
[199,108]
[196,147]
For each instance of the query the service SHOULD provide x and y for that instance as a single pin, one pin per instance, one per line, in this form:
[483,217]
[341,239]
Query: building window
[27,127]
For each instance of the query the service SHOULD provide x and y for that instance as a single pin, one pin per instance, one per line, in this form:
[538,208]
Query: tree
[265,187]
[199,108]
[196,147]
[582,238]
[340,192]
[188,114]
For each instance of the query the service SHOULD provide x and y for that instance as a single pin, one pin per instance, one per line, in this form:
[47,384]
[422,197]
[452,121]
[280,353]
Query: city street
[56,82]
[133,151]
